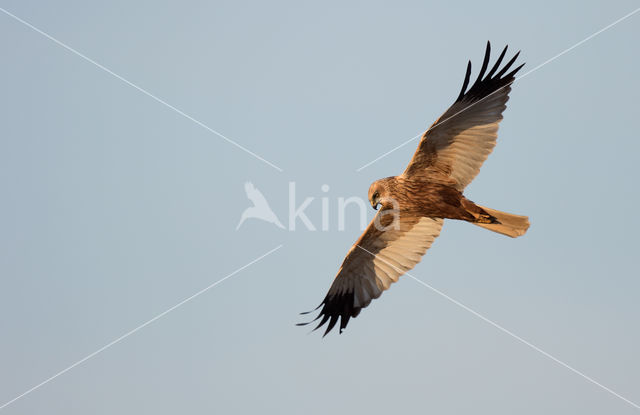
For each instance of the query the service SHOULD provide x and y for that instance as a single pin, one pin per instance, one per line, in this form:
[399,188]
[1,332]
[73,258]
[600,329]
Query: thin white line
[626,16]
[129,333]
[516,79]
[150,95]
[504,330]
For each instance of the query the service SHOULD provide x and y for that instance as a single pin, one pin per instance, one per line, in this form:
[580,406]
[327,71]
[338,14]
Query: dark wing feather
[373,263]
[457,144]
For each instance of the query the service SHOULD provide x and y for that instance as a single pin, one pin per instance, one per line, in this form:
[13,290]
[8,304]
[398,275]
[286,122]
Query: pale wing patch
[459,142]
[463,153]
[377,260]
[403,253]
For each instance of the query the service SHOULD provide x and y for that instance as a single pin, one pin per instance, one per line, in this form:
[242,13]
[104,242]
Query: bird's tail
[508,224]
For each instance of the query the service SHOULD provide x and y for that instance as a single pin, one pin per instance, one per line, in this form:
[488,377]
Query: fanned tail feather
[509,224]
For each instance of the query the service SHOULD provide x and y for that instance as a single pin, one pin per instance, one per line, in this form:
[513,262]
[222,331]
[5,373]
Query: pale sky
[116,208]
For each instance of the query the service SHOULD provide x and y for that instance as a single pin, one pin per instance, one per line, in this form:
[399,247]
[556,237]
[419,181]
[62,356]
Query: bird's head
[379,192]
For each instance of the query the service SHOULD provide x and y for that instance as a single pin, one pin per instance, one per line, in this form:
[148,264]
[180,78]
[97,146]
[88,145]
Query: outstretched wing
[390,246]
[457,144]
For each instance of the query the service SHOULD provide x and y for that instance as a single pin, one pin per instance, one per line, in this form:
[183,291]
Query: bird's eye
[375,195]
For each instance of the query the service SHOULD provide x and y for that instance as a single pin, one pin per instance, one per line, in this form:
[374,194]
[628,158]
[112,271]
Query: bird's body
[413,205]
[427,198]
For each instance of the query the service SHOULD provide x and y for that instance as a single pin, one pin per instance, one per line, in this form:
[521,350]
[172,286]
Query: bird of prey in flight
[413,205]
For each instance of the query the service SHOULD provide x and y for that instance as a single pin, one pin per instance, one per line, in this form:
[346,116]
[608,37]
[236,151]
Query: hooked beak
[375,205]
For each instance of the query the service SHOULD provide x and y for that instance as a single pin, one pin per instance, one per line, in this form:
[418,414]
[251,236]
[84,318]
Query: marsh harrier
[413,205]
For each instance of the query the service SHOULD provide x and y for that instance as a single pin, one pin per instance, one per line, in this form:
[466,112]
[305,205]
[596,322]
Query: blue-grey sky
[115,208]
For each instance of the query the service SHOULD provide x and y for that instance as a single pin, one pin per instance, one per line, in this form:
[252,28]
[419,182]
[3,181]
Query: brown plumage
[413,206]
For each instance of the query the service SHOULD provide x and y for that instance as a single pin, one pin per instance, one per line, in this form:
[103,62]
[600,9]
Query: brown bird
[413,206]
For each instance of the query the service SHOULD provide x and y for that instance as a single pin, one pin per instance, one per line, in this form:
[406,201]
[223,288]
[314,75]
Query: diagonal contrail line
[506,331]
[144,91]
[591,36]
[141,326]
